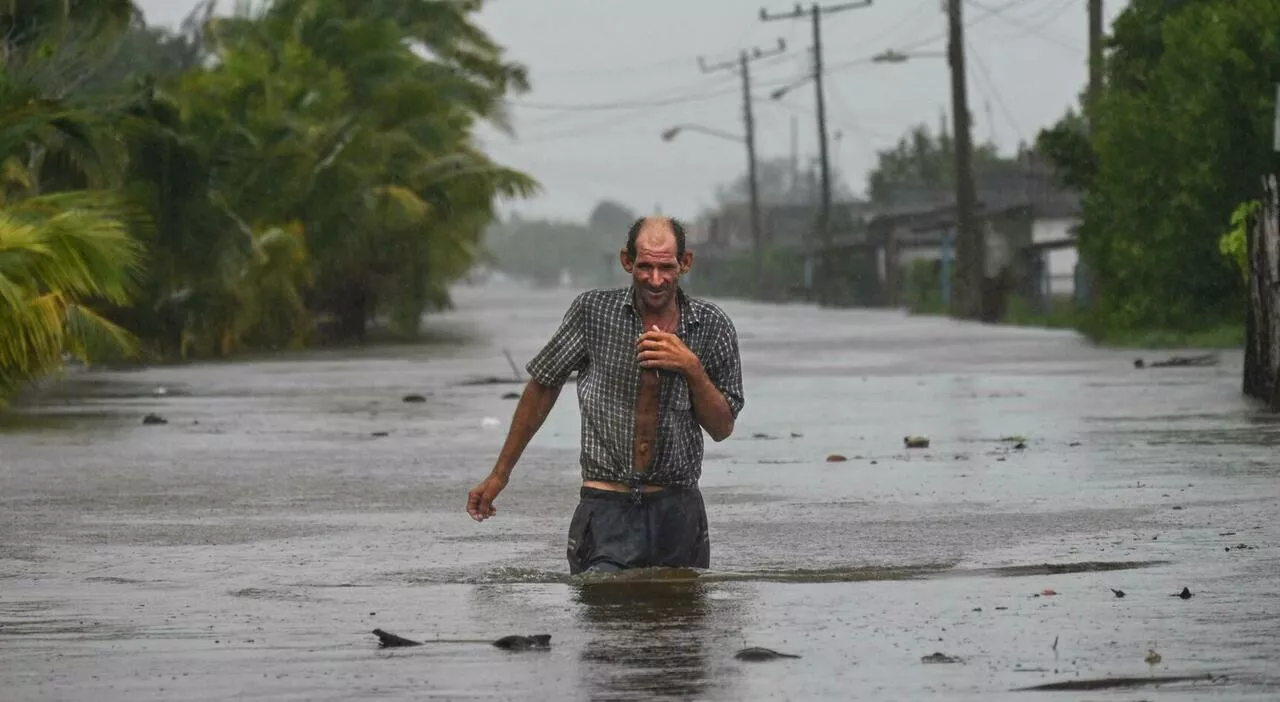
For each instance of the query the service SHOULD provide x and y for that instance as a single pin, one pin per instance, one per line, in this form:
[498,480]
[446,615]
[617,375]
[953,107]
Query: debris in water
[1185,594]
[1112,683]
[756,653]
[916,441]
[1207,359]
[515,370]
[154,419]
[835,458]
[380,433]
[1048,592]
[938,657]
[515,642]
[796,435]
[388,640]
[1119,593]
[511,396]
[1152,657]
[414,398]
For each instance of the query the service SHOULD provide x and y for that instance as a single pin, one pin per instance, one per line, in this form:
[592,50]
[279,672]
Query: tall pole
[1095,60]
[795,151]
[753,185]
[824,204]
[749,118]
[970,250]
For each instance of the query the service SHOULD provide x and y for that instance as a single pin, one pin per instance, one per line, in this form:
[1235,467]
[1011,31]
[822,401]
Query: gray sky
[1026,61]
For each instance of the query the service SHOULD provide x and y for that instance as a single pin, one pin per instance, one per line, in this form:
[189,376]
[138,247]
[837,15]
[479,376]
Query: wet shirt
[597,338]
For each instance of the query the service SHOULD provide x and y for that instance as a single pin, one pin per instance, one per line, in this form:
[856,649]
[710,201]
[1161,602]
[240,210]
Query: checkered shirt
[597,338]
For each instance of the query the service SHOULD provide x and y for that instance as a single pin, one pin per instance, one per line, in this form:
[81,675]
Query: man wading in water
[656,368]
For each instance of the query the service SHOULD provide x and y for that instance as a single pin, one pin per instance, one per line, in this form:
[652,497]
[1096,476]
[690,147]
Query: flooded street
[247,548]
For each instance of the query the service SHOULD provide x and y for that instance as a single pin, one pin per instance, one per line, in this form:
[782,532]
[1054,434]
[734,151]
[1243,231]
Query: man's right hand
[480,499]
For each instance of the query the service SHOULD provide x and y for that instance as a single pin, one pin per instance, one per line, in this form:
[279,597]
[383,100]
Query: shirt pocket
[681,400]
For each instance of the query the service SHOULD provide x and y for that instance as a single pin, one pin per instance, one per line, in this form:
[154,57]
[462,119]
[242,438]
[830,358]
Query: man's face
[656,270]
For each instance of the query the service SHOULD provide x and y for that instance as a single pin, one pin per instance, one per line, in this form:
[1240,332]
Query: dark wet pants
[612,531]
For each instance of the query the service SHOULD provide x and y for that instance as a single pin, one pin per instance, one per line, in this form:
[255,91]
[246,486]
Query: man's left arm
[715,383]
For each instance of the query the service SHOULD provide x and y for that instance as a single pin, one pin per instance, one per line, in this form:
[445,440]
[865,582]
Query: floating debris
[756,653]
[1152,657]
[938,657]
[1114,683]
[836,458]
[1119,593]
[914,442]
[1179,361]
[1185,594]
[154,419]
[414,398]
[388,640]
[516,642]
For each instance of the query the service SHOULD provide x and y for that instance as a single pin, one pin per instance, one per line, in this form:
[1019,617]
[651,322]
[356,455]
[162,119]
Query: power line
[633,68]
[624,104]
[995,92]
[987,13]
[1029,30]
[638,109]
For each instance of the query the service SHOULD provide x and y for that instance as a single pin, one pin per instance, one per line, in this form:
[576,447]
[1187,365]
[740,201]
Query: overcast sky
[1027,64]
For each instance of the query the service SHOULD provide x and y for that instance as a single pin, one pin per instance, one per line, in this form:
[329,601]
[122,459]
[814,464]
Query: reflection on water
[654,637]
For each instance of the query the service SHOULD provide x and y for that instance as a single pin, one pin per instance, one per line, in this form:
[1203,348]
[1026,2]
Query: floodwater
[248,548]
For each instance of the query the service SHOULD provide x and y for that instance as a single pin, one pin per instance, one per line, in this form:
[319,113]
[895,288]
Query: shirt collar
[688,311]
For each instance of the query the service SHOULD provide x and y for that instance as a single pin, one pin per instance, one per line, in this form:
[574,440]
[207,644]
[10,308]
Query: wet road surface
[247,548]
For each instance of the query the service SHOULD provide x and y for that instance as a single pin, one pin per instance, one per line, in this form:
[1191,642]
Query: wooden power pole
[1095,60]
[970,244]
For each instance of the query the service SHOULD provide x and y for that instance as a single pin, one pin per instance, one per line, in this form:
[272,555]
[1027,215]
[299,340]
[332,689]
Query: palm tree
[59,254]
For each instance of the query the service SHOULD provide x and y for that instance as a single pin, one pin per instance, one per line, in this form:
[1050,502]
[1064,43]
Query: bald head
[656,258]
[657,231]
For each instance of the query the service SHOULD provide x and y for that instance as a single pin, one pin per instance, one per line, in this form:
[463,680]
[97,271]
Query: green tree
[922,159]
[1183,136]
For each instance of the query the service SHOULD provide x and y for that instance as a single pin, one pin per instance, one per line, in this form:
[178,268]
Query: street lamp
[671,132]
[893,56]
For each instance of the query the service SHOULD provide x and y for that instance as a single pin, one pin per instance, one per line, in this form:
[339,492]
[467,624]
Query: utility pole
[970,250]
[824,208]
[743,67]
[1095,61]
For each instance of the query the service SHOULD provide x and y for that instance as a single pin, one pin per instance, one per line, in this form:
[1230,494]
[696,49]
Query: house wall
[1060,262]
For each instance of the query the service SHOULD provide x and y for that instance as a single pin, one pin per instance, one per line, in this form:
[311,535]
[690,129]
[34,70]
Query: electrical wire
[994,91]
[1031,30]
